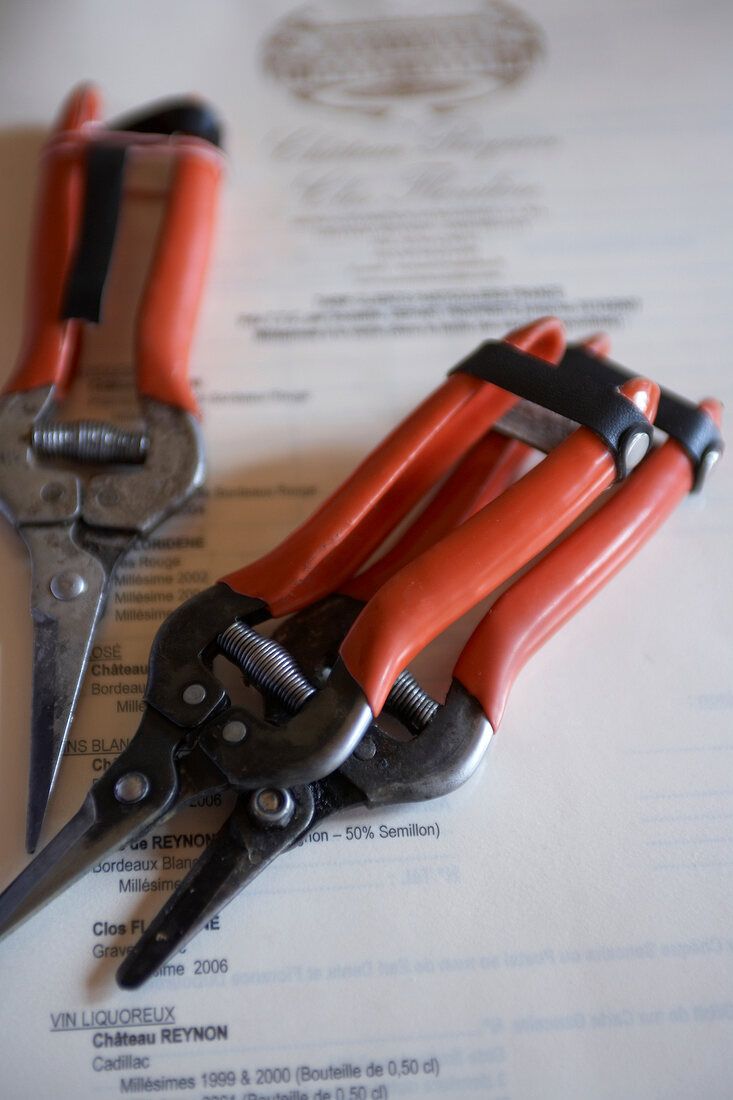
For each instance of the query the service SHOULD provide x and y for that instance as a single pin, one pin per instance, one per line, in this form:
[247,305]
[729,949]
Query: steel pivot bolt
[132,787]
[194,694]
[234,732]
[52,492]
[636,446]
[366,748]
[67,585]
[272,806]
[709,459]
[108,496]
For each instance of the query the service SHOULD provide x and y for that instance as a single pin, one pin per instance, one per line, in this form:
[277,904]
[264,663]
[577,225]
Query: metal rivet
[194,694]
[709,459]
[635,447]
[52,491]
[67,585]
[108,496]
[366,748]
[234,732]
[272,806]
[132,787]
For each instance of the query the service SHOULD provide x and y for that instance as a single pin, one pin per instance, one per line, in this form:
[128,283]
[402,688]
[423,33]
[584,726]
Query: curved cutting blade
[68,591]
[140,789]
[240,851]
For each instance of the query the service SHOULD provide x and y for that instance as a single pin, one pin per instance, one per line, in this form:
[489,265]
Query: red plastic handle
[50,344]
[485,472]
[451,577]
[169,306]
[488,469]
[322,554]
[172,297]
[541,601]
[84,104]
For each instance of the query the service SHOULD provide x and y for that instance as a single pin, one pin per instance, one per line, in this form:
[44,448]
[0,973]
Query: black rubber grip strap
[104,173]
[581,396]
[692,427]
[193,117]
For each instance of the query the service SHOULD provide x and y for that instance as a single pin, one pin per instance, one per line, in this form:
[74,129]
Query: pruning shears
[318,744]
[93,178]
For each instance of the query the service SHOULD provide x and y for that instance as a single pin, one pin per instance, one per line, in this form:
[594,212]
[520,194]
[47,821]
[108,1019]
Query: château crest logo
[370,57]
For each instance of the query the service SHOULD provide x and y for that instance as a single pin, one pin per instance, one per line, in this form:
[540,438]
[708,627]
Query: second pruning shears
[318,745]
[76,529]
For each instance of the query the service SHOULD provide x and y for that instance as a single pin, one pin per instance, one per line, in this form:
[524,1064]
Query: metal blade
[68,591]
[241,850]
[138,791]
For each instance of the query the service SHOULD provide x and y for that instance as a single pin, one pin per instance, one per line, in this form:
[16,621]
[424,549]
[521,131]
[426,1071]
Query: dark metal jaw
[250,751]
[183,749]
[437,761]
[246,845]
[139,790]
[238,854]
[264,824]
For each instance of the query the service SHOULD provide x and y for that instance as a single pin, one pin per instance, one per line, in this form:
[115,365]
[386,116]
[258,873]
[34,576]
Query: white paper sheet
[560,926]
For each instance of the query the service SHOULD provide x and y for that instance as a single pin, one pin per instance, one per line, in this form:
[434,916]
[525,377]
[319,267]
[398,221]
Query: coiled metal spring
[267,665]
[410,703]
[270,668]
[90,441]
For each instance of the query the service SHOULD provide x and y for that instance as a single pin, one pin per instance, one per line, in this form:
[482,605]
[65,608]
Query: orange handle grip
[328,548]
[486,471]
[169,307]
[175,283]
[451,577]
[84,104]
[338,538]
[540,602]
[49,343]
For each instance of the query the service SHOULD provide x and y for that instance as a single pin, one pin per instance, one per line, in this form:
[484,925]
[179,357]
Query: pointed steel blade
[138,791]
[68,592]
[241,850]
[55,694]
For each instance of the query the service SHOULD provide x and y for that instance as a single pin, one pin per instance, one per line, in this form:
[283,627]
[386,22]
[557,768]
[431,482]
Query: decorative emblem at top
[432,54]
